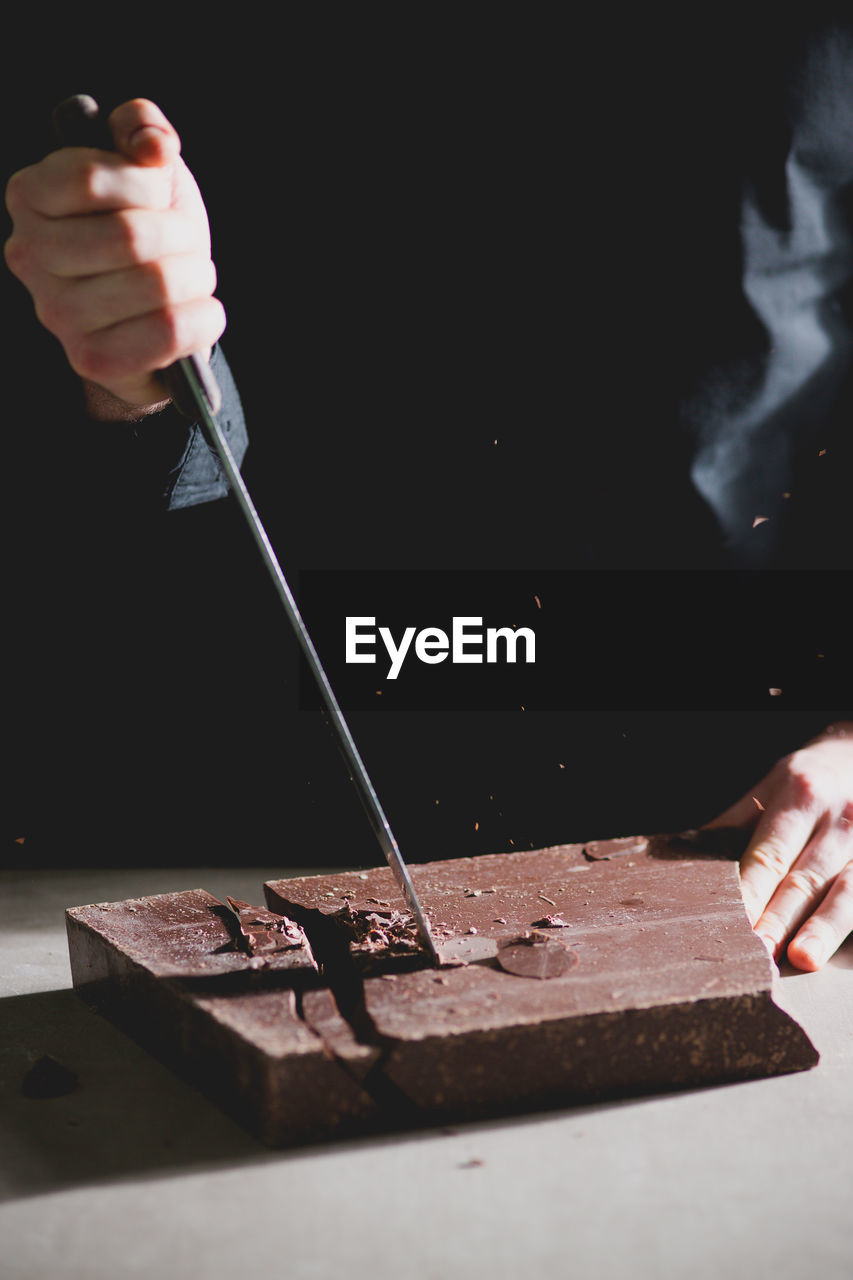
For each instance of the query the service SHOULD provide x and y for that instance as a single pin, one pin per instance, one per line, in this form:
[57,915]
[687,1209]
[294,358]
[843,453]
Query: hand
[115,250]
[797,872]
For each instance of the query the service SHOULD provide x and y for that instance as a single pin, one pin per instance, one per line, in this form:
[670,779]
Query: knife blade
[194,391]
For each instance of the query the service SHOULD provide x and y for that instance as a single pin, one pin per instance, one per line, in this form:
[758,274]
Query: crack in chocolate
[329,938]
[256,930]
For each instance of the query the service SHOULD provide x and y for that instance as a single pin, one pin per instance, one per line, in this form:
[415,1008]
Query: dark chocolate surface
[189,935]
[645,925]
[566,973]
[164,969]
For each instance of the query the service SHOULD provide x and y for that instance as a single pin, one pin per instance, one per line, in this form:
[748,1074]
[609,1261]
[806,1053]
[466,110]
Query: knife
[195,393]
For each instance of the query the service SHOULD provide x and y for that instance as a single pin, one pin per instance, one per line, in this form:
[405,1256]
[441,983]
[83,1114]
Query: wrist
[103,406]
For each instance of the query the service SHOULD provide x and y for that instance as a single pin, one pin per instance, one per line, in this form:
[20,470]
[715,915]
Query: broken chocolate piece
[158,967]
[261,930]
[619,848]
[536,957]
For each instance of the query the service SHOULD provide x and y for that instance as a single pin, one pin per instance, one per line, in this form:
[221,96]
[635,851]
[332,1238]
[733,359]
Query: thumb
[143,134]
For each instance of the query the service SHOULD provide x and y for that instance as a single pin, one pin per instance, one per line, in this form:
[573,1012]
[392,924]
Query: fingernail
[146,137]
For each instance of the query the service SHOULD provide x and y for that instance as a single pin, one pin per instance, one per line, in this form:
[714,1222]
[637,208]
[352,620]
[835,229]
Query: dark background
[468,271]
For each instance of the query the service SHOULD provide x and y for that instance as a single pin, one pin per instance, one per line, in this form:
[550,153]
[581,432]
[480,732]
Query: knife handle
[77,122]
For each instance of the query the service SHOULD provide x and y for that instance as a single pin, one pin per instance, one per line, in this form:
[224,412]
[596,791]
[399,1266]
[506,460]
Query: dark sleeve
[131,469]
[198,476]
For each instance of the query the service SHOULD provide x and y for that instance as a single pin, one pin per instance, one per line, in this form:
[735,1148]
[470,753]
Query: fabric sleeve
[198,476]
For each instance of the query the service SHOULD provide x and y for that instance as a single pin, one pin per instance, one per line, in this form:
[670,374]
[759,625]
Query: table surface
[134,1173]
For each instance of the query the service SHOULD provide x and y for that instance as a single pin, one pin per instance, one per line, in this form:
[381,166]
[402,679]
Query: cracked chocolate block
[568,973]
[216,992]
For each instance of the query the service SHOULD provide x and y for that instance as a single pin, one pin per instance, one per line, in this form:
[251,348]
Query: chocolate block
[626,966]
[171,970]
[566,974]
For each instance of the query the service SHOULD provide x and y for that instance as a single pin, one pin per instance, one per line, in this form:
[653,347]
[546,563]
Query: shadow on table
[128,1116]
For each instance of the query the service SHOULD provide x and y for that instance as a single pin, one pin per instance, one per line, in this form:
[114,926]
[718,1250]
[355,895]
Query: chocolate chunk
[536,957]
[619,848]
[264,931]
[158,968]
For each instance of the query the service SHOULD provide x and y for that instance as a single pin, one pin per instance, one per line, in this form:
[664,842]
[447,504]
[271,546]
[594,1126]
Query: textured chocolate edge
[280,1099]
[580,1059]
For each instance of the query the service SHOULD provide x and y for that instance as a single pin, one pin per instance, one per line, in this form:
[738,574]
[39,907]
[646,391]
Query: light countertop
[135,1174]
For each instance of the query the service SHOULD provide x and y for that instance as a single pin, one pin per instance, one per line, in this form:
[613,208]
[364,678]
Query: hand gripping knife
[194,391]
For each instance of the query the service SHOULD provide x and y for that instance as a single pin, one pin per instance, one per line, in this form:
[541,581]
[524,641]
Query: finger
[142,133]
[79,180]
[146,343]
[825,930]
[86,245]
[96,302]
[780,837]
[802,889]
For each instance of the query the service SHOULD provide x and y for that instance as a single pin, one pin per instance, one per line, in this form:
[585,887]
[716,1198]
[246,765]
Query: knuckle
[218,319]
[89,181]
[800,780]
[129,235]
[15,191]
[18,255]
[158,284]
[81,357]
[770,858]
[807,881]
[51,312]
[168,330]
[87,356]
[774,926]
[843,886]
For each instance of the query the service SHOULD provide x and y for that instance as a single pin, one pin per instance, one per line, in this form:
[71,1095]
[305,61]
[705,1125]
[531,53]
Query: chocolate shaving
[388,930]
[257,929]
